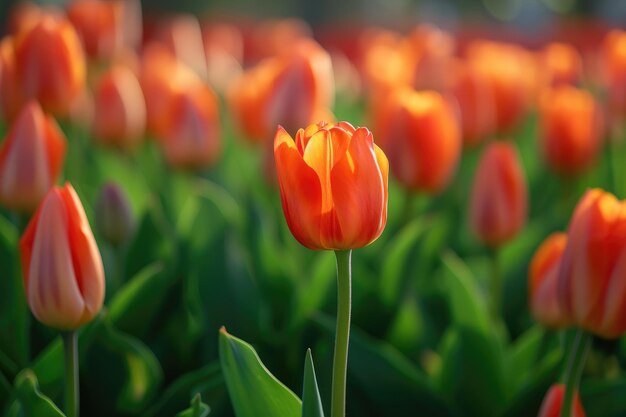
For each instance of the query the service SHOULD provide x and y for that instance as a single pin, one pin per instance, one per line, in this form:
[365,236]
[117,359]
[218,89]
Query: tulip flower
[499,197]
[613,63]
[553,401]
[182,36]
[192,136]
[114,217]
[433,49]
[543,278]
[99,24]
[31,159]
[421,135]
[333,185]
[223,47]
[120,108]
[560,64]
[50,63]
[293,89]
[591,281]
[570,127]
[10,97]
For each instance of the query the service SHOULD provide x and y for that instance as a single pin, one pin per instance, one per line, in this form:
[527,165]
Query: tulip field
[230,217]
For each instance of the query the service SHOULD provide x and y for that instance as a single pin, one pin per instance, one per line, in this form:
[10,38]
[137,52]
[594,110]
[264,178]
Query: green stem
[574,369]
[495,284]
[342,334]
[70,348]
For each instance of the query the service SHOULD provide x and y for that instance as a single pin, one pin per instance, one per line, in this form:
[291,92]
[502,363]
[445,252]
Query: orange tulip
[613,63]
[499,197]
[553,401]
[571,136]
[50,64]
[192,136]
[182,36]
[434,51]
[421,135]
[293,90]
[31,159]
[333,185]
[120,109]
[388,61]
[62,268]
[593,265]
[10,98]
[560,64]
[223,47]
[544,274]
[99,24]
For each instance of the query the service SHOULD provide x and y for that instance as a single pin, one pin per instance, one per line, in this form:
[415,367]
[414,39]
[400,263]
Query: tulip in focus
[543,287]
[114,217]
[571,136]
[62,268]
[333,185]
[120,108]
[292,89]
[31,159]
[50,64]
[553,401]
[421,135]
[591,278]
[499,199]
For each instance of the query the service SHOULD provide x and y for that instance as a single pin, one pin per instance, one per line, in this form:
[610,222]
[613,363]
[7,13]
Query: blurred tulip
[571,137]
[120,108]
[192,137]
[475,97]
[99,24]
[499,198]
[560,64]
[23,15]
[333,185]
[420,134]
[10,98]
[553,401]
[182,36]
[50,64]
[275,37]
[292,90]
[114,217]
[223,47]
[543,288]
[591,280]
[31,159]
[613,67]
[62,268]
[434,51]
[387,62]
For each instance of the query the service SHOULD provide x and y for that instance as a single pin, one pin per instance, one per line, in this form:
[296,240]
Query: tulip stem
[573,371]
[342,334]
[70,347]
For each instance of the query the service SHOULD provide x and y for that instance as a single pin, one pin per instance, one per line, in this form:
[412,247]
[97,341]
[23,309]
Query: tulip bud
[100,26]
[499,197]
[120,109]
[291,89]
[421,135]
[31,159]
[553,402]
[591,278]
[61,265]
[50,63]
[114,217]
[561,64]
[333,185]
[570,128]
[613,65]
[544,273]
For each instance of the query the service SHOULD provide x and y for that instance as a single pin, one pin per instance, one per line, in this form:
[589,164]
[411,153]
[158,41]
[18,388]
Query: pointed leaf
[253,390]
[197,409]
[30,398]
[311,401]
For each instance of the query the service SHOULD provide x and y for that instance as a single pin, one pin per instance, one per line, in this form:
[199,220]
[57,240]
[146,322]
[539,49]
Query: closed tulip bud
[50,63]
[591,278]
[99,24]
[421,135]
[570,127]
[560,64]
[613,66]
[333,185]
[120,109]
[192,136]
[543,288]
[114,217]
[62,268]
[553,402]
[292,90]
[31,159]
[499,197]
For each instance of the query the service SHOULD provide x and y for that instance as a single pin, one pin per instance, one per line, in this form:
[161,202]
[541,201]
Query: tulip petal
[84,254]
[55,145]
[300,190]
[358,193]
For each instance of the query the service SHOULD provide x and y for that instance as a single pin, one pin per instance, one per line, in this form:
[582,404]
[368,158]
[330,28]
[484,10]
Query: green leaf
[604,397]
[311,401]
[464,297]
[143,371]
[197,409]
[253,390]
[31,401]
[521,357]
